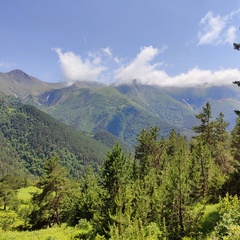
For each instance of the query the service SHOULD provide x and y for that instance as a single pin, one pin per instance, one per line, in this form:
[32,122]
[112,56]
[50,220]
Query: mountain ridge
[123,110]
[19,84]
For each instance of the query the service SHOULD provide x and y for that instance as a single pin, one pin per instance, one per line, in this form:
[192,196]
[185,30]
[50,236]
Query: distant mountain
[223,99]
[122,110]
[21,85]
[98,108]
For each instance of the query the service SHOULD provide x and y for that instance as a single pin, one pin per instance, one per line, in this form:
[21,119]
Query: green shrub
[229,225]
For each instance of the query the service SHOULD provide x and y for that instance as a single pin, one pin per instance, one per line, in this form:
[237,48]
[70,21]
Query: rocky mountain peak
[19,75]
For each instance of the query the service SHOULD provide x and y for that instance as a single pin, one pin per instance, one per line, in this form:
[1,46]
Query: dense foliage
[169,188]
[29,137]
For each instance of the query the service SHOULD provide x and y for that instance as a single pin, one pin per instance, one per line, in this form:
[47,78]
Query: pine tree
[177,183]
[221,147]
[232,184]
[206,177]
[148,151]
[115,175]
[235,143]
[202,162]
[121,218]
[213,133]
[49,201]
[114,172]
[205,129]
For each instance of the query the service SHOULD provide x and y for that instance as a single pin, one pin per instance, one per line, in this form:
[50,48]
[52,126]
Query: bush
[229,225]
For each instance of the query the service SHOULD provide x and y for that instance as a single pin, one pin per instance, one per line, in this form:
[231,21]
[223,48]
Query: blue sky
[165,42]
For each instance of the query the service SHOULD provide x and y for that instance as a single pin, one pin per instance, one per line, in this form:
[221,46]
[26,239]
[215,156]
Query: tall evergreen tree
[220,129]
[115,175]
[206,176]
[122,216]
[114,172]
[221,145]
[49,201]
[177,183]
[148,151]
[235,142]
[201,161]
[205,129]
[215,136]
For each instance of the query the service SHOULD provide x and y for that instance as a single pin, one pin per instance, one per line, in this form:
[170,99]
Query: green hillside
[223,99]
[161,104]
[105,108]
[122,110]
[32,136]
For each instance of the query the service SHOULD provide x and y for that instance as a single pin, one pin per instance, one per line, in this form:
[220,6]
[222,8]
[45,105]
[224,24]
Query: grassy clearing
[209,219]
[25,194]
[55,233]
[12,218]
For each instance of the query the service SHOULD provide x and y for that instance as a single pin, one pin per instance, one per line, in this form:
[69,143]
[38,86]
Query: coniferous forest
[166,188]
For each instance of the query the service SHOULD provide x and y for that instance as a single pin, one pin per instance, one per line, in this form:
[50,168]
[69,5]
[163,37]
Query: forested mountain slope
[94,109]
[29,137]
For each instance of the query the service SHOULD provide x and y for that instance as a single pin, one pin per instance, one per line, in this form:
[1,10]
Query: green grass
[25,194]
[210,218]
[11,220]
[55,233]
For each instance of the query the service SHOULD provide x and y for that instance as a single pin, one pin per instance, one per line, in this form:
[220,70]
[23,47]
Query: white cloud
[140,68]
[7,65]
[94,57]
[143,68]
[198,76]
[230,35]
[144,72]
[107,51]
[76,69]
[117,60]
[194,77]
[216,29]
[212,28]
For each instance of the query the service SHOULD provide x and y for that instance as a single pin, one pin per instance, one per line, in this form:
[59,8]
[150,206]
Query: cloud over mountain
[102,66]
[74,68]
[141,68]
[146,71]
